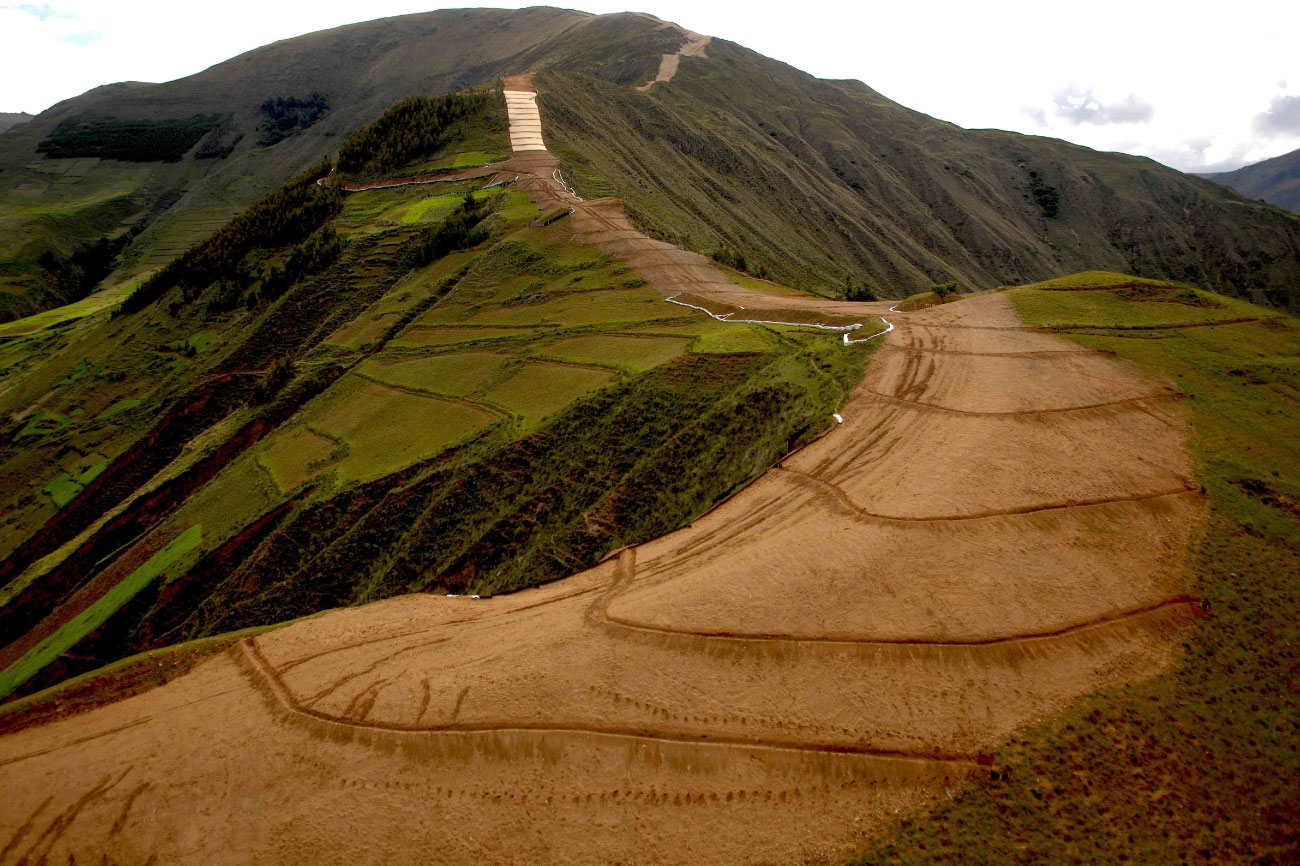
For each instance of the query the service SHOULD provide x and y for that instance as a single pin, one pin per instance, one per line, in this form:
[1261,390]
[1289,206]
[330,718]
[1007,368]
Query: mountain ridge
[903,219]
[1275,180]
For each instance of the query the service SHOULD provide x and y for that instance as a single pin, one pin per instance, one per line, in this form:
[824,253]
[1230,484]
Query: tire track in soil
[604,726]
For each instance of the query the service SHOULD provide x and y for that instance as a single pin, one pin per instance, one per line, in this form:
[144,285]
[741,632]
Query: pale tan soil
[968,552]
[694,47]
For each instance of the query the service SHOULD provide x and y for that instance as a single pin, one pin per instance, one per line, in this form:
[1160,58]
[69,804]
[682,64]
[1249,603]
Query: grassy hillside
[1275,180]
[96,166]
[1200,764]
[340,398]
[722,155]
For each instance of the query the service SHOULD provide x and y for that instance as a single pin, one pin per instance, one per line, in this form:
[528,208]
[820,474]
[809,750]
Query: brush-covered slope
[1275,180]
[820,182]
[157,167]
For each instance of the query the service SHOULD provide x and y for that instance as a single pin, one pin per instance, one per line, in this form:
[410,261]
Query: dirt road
[998,526]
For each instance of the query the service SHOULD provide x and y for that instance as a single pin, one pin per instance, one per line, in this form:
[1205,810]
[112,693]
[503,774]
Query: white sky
[1199,85]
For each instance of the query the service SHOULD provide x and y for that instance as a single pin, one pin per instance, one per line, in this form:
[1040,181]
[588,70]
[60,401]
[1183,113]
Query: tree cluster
[1046,197]
[131,140]
[410,130]
[460,231]
[285,115]
[736,260]
[75,276]
[287,216]
[943,290]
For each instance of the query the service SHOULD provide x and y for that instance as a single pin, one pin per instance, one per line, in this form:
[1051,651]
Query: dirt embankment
[998,526]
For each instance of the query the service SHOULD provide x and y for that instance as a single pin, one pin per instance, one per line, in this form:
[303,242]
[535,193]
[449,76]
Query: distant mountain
[10,119]
[1275,180]
[822,183]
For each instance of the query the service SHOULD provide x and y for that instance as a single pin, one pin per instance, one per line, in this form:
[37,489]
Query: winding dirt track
[998,527]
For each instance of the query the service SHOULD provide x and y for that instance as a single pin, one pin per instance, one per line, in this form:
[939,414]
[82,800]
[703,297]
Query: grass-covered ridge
[1200,764]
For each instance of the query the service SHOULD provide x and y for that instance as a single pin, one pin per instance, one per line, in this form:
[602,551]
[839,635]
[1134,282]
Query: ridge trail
[764,685]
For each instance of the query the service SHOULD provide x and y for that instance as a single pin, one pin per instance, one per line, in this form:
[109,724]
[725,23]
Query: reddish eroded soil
[998,527]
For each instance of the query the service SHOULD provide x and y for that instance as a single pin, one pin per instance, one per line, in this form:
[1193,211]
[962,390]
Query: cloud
[1282,117]
[40,11]
[1282,83]
[1081,106]
[83,37]
[1038,115]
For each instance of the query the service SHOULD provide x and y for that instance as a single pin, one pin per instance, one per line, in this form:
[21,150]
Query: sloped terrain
[850,635]
[711,157]
[1275,180]
[1201,762]
[717,159]
[158,209]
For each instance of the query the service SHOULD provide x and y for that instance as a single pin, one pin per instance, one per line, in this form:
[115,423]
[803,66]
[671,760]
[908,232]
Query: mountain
[1275,180]
[802,564]
[731,146]
[10,119]
[154,208]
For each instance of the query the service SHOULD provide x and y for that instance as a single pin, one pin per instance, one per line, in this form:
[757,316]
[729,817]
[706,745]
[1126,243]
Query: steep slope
[1275,180]
[163,207]
[827,182]
[846,637]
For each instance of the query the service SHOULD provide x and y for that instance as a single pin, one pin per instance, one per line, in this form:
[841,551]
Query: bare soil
[998,527]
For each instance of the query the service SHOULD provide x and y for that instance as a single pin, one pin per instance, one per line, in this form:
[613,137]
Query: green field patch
[585,308]
[88,306]
[724,338]
[387,429]
[42,423]
[627,352]
[464,159]
[442,335]
[363,331]
[538,389]
[293,456]
[1094,279]
[1126,308]
[431,209]
[514,206]
[118,408]
[62,489]
[65,488]
[734,339]
[457,375]
[94,616]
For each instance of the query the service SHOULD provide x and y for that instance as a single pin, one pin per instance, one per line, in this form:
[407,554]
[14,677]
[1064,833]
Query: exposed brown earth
[694,47]
[998,527]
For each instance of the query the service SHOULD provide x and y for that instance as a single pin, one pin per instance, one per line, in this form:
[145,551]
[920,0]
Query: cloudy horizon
[1198,92]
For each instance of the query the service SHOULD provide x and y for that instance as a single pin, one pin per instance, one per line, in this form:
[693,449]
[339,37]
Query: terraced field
[998,526]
